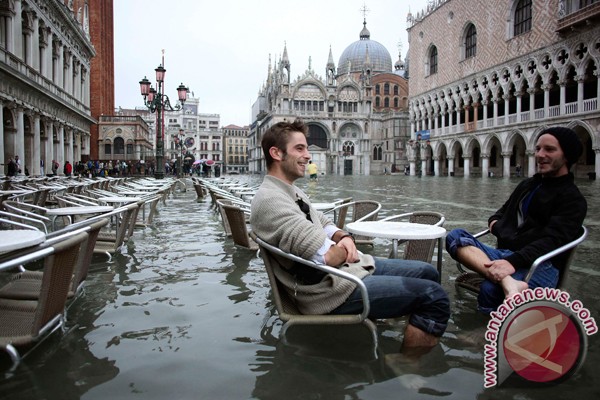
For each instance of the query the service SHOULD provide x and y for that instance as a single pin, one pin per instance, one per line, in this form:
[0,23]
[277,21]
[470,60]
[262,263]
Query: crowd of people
[90,168]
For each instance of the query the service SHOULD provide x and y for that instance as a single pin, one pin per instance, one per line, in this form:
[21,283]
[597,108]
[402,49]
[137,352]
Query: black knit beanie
[569,143]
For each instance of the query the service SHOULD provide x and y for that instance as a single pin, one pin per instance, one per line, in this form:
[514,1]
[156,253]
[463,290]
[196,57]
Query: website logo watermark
[539,334]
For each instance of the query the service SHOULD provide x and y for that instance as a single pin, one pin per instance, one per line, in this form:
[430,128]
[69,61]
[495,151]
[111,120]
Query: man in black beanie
[543,213]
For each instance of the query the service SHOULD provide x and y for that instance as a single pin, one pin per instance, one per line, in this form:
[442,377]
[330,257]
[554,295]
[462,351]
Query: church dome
[354,57]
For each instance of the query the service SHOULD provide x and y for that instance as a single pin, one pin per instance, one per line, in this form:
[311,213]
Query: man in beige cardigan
[282,215]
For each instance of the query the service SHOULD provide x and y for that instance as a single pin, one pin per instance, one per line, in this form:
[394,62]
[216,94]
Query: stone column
[2,136]
[518,95]
[60,154]
[35,162]
[69,145]
[467,166]
[495,117]
[506,98]
[531,103]
[506,164]
[484,104]
[563,93]
[485,165]
[35,44]
[20,138]
[436,166]
[579,79]
[17,33]
[450,166]
[546,89]
[50,155]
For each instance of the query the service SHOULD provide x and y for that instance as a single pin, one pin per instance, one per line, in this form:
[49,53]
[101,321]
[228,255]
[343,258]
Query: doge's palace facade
[487,77]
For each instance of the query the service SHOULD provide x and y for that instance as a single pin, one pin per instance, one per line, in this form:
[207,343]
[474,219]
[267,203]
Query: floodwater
[184,314]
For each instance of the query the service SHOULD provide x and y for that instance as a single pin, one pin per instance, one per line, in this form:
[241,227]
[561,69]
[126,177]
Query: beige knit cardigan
[277,219]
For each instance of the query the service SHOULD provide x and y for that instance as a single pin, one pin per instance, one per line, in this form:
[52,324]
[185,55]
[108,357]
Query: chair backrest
[224,220]
[56,281]
[364,210]
[236,218]
[561,257]
[284,301]
[86,254]
[420,249]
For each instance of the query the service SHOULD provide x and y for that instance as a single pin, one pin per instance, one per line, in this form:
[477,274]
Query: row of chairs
[33,300]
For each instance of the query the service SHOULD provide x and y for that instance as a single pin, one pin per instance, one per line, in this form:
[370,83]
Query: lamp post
[158,102]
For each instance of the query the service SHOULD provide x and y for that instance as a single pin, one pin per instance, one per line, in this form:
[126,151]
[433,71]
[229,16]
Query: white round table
[72,211]
[16,239]
[396,230]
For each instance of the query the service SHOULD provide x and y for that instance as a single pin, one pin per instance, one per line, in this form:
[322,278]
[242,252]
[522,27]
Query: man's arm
[344,250]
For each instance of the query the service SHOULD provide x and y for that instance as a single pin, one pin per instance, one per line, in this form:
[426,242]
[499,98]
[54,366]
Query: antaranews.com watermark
[540,334]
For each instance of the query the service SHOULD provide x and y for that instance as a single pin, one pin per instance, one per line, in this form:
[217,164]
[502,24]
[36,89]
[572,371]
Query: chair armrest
[321,267]
[555,252]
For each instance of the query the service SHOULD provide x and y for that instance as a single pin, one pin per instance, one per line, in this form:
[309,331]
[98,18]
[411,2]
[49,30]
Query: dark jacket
[555,216]
[12,168]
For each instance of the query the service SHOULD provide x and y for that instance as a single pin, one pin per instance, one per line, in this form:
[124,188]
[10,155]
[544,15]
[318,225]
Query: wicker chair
[110,242]
[26,285]
[362,210]
[472,280]
[421,250]
[237,219]
[25,322]
[284,301]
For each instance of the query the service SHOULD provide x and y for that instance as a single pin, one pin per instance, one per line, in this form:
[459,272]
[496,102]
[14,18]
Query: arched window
[386,102]
[522,20]
[119,145]
[395,90]
[317,136]
[396,105]
[348,148]
[377,102]
[433,60]
[377,90]
[386,89]
[377,153]
[471,42]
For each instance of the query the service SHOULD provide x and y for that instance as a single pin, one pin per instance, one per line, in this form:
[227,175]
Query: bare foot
[512,286]
[416,338]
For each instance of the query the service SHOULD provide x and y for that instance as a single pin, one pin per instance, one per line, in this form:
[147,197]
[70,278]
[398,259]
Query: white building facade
[356,115]
[45,56]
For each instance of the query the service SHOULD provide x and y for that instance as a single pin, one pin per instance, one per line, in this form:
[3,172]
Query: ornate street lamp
[158,102]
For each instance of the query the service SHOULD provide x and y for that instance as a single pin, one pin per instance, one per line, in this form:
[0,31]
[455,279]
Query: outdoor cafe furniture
[400,231]
[71,212]
[15,239]
[25,322]
[472,280]
[26,284]
[284,301]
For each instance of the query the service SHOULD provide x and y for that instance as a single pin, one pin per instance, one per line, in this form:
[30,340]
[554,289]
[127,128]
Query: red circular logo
[542,344]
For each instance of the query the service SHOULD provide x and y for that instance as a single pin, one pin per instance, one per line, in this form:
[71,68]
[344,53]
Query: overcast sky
[220,49]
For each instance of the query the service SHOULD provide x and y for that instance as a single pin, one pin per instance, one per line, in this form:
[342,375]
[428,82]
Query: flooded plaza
[184,314]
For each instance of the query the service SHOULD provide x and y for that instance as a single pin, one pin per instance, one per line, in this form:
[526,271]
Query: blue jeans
[402,287]
[491,294]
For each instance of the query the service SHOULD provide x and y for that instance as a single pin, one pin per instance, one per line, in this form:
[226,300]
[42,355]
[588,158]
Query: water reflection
[183,313]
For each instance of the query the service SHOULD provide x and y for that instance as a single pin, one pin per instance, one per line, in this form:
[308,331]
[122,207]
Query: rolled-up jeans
[491,294]
[403,287]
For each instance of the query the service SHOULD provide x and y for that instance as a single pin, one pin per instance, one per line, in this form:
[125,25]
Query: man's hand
[351,252]
[498,270]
